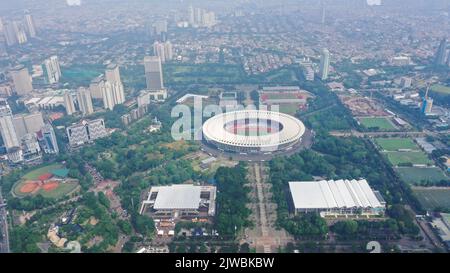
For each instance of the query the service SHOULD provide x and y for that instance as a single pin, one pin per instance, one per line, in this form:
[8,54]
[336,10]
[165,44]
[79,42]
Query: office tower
[8,133]
[108,96]
[112,73]
[29,23]
[22,80]
[10,32]
[85,101]
[113,91]
[52,69]
[324,64]
[208,19]
[191,15]
[159,30]
[69,104]
[406,82]
[427,103]
[168,51]
[198,15]
[441,54]
[96,87]
[20,33]
[49,139]
[27,124]
[158,50]
[153,73]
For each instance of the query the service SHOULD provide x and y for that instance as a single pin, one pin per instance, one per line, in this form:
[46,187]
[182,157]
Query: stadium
[253,131]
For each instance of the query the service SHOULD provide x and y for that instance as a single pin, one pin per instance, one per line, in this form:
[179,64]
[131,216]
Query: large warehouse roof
[178,197]
[333,194]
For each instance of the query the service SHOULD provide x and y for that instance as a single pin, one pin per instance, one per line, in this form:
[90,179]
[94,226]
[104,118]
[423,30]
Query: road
[4,244]
[377,134]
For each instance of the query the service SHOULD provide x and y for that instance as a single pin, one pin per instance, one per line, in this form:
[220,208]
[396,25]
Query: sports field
[420,176]
[438,88]
[434,197]
[42,181]
[397,158]
[382,123]
[395,144]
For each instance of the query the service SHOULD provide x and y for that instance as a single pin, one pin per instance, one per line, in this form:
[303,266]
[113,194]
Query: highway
[4,243]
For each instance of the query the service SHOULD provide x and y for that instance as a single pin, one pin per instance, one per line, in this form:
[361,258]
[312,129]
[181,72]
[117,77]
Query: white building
[153,73]
[324,64]
[8,132]
[86,132]
[22,81]
[336,197]
[85,101]
[181,201]
[69,103]
[52,69]
[28,123]
[147,96]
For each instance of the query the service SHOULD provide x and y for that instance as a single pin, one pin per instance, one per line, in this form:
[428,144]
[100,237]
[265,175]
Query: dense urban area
[91,90]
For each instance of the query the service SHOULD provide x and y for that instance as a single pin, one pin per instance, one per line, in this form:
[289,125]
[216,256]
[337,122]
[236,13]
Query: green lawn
[420,176]
[438,88]
[395,144]
[60,191]
[34,174]
[202,73]
[383,124]
[290,109]
[432,198]
[397,158]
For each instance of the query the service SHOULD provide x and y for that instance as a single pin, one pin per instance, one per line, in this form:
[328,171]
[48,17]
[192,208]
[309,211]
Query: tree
[143,224]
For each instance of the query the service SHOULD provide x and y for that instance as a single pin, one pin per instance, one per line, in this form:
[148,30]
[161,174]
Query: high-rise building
[29,23]
[441,54]
[108,96]
[49,139]
[427,103]
[191,15]
[163,51]
[20,33]
[168,51]
[28,123]
[96,87]
[84,101]
[324,64]
[5,109]
[52,69]
[159,30]
[22,80]
[69,103]
[153,73]
[8,133]
[112,73]
[10,33]
[86,131]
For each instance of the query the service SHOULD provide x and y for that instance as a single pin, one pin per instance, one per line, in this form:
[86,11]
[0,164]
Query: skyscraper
[52,69]
[324,64]
[8,133]
[27,123]
[10,34]
[158,50]
[69,104]
[108,96]
[112,73]
[29,23]
[153,73]
[441,54]
[96,88]
[85,101]
[113,91]
[49,139]
[22,80]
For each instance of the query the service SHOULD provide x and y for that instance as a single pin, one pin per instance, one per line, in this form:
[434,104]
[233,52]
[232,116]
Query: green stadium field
[383,124]
[420,176]
[440,89]
[395,144]
[397,158]
[432,198]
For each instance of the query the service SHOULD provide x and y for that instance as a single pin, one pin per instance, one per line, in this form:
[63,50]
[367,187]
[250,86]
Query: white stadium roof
[178,197]
[333,194]
[214,129]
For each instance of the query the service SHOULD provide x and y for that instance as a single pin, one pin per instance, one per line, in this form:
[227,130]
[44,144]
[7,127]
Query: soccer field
[383,124]
[420,176]
[435,197]
[395,144]
[397,158]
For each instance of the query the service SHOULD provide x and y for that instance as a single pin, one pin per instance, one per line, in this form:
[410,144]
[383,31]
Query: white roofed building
[336,197]
[184,200]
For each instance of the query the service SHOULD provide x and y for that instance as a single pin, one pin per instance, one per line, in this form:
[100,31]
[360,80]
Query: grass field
[60,191]
[290,109]
[419,176]
[395,144]
[438,88]
[202,73]
[397,158]
[383,124]
[432,198]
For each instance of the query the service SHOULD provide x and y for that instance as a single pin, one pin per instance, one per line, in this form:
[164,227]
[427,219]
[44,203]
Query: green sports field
[383,124]
[34,174]
[395,144]
[438,88]
[397,158]
[432,198]
[420,176]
